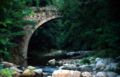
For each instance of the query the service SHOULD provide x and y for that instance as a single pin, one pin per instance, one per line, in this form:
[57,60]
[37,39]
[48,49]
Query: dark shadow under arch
[40,41]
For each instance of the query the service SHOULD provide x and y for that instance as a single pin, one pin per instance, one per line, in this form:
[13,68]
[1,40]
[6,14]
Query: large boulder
[29,72]
[66,73]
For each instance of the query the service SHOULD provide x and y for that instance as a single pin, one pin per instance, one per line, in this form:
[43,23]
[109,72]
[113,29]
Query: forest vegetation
[85,25]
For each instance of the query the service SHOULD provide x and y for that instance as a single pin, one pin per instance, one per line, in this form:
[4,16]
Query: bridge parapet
[43,13]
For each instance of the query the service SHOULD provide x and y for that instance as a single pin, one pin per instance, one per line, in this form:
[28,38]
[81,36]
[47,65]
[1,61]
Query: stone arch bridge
[41,15]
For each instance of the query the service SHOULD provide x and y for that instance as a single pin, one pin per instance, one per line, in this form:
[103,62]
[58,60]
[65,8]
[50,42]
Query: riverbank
[90,67]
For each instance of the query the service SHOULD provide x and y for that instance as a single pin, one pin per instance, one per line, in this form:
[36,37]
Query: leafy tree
[11,24]
[89,25]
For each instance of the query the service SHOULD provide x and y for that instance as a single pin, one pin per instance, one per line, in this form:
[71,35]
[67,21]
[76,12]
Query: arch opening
[42,42]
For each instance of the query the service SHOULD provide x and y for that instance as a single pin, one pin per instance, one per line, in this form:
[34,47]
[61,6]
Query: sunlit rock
[29,72]
[31,67]
[66,73]
[86,74]
[52,62]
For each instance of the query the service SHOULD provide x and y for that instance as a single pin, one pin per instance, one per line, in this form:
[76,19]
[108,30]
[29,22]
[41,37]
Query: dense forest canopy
[86,24]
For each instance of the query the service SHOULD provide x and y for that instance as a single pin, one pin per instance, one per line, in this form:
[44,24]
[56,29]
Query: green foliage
[58,3]
[6,72]
[11,24]
[84,61]
[86,25]
[90,27]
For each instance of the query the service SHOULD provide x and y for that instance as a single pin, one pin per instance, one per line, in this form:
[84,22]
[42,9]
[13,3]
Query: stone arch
[29,34]
[41,16]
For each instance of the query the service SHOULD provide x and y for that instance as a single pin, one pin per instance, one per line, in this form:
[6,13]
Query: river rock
[86,67]
[118,76]
[66,73]
[97,59]
[16,69]
[38,71]
[7,64]
[101,74]
[108,60]
[100,65]
[16,74]
[86,74]
[52,62]
[31,67]
[69,67]
[29,72]
[111,66]
[111,74]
